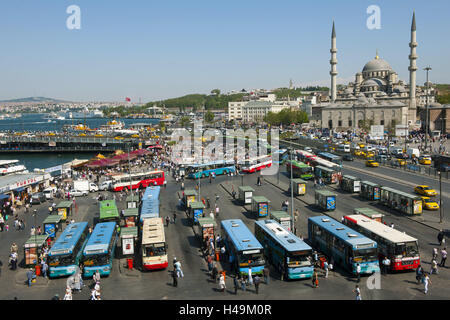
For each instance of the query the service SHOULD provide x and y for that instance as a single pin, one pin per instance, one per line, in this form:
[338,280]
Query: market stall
[325,200]
[205,230]
[130,217]
[196,211]
[401,201]
[132,201]
[128,241]
[64,209]
[52,224]
[260,206]
[189,196]
[370,191]
[283,218]
[329,176]
[299,187]
[246,194]
[32,249]
[350,184]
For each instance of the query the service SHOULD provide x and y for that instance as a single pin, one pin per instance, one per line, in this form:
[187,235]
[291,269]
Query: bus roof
[288,240]
[99,240]
[150,202]
[68,239]
[342,232]
[240,235]
[197,165]
[153,231]
[297,163]
[330,155]
[380,229]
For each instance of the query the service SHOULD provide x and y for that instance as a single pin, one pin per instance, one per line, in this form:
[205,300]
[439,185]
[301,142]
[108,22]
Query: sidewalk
[123,269]
[21,279]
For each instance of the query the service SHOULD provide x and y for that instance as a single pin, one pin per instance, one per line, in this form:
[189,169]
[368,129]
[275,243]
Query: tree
[215,92]
[184,121]
[209,116]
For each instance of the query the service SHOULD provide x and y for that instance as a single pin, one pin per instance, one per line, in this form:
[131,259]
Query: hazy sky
[162,49]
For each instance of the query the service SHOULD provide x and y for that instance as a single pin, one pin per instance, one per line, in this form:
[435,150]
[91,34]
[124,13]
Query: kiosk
[128,241]
[370,213]
[299,187]
[52,224]
[350,184]
[401,201]
[260,206]
[325,200]
[64,209]
[132,201]
[283,218]
[196,211]
[32,249]
[205,230]
[130,217]
[329,176]
[370,191]
[189,196]
[246,194]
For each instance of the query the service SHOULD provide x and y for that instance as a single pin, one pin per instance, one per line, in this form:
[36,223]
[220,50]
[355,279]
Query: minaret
[333,63]
[412,65]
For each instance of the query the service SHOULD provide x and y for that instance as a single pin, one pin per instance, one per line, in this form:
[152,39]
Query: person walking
[44,267]
[68,295]
[426,281]
[419,273]
[167,221]
[435,253]
[236,281]
[266,273]
[440,237]
[214,272]
[174,218]
[250,277]
[257,281]
[358,272]
[325,267]
[175,277]
[222,285]
[357,292]
[386,264]
[29,276]
[13,260]
[434,267]
[243,284]
[315,279]
[177,265]
[217,211]
[444,257]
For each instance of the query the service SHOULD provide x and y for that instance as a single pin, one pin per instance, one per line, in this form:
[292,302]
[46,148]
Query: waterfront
[36,122]
[47,160]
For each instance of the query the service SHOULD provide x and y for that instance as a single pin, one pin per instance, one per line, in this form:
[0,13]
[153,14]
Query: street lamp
[427,69]
[292,194]
[440,196]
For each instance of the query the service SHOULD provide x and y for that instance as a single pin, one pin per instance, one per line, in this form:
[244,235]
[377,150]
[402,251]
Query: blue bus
[346,246]
[331,157]
[150,203]
[203,170]
[243,248]
[99,250]
[285,251]
[283,155]
[65,254]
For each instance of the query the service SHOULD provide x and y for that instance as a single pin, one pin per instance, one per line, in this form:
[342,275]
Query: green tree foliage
[297,92]
[286,117]
[184,121]
[209,116]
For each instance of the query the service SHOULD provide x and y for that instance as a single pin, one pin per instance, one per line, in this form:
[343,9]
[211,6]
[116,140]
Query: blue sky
[161,49]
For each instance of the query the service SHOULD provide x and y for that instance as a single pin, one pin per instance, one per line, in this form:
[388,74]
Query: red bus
[401,249]
[256,164]
[138,180]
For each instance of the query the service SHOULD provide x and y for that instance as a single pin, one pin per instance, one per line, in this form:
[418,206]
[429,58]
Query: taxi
[118,138]
[429,204]
[369,154]
[357,153]
[82,135]
[372,163]
[425,160]
[425,190]
[361,145]
[401,162]
[98,135]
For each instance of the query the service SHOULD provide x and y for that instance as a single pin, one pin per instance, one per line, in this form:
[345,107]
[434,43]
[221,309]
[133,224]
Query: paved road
[196,284]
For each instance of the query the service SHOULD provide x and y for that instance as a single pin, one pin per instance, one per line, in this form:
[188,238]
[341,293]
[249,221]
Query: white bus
[401,249]
[256,164]
[154,248]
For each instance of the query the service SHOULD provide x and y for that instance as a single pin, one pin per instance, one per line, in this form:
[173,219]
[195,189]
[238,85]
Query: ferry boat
[11,166]
[112,125]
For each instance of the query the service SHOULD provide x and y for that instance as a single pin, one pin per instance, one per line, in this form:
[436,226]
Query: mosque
[376,97]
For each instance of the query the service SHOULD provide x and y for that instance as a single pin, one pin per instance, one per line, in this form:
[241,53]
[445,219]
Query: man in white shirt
[358,271]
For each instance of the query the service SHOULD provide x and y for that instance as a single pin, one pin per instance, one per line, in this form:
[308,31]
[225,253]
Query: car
[347,157]
[38,197]
[429,204]
[308,149]
[425,160]
[425,190]
[369,154]
[77,193]
[372,163]
[401,162]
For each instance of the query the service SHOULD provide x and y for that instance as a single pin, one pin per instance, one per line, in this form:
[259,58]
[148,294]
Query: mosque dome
[377,64]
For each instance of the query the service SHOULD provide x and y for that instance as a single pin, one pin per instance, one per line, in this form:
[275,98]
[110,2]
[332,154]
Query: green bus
[108,211]
[300,170]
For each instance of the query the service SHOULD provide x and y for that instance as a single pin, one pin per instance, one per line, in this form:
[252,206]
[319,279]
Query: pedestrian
[419,273]
[222,285]
[315,279]
[358,271]
[177,266]
[325,267]
[210,263]
[93,294]
[435,253]
[250,277]
[258,181]
[357,291]
[243,284]
[13,260]
[257,281]
[266,273]
[208,204]
[222,253]
[386,264]
[68,295]
[444,257]
[434,267]
[167,221]
[96,278]
[44,267]
[214,272]
[174,218]
[426,281]
[440,237]
[29,276]
[217,211]
[236,281]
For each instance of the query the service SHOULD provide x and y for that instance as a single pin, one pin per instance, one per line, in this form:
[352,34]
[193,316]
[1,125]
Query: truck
[85,185]
[50,192]
[413,152]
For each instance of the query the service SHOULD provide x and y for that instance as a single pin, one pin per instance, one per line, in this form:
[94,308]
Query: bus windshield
[96,260]
[61,261]
[298,260]
[153,250]
[251,259]
[365,255]
[409,249]
[305,169]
